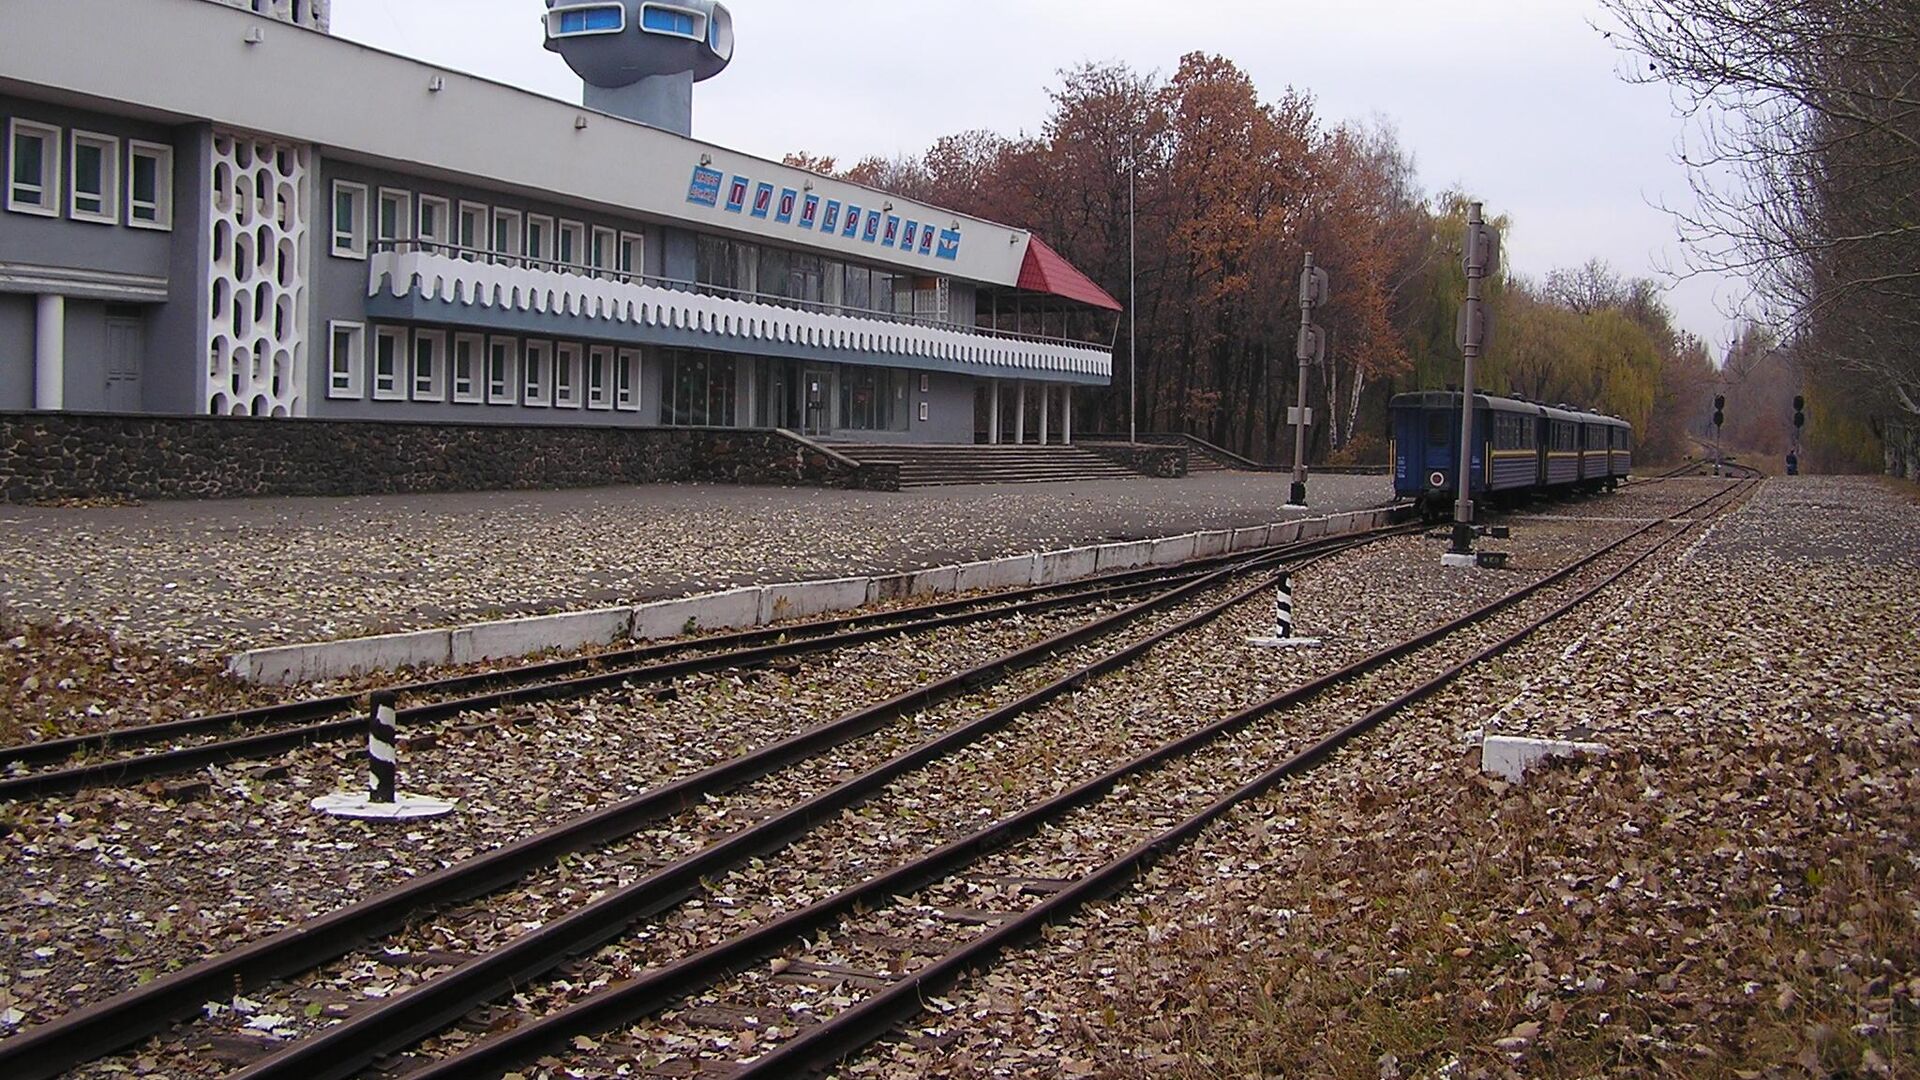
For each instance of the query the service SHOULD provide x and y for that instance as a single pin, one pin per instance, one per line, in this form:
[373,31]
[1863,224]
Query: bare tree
[1805,156]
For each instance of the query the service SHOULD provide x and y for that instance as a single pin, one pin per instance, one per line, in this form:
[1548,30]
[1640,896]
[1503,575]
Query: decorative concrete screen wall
[256,345]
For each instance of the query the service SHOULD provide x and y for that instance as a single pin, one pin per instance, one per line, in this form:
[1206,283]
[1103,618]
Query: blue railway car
[1519,449]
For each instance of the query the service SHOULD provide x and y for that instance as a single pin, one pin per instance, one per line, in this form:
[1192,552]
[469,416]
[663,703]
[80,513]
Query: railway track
[86,1033]
[892,941]
[63,766]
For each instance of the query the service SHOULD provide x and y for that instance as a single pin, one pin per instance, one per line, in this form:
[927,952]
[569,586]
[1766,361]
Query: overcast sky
[1515,101]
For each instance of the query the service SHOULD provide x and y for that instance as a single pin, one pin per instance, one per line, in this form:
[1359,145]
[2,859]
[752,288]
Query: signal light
[1719,402]
[1799,402]
[1799,411]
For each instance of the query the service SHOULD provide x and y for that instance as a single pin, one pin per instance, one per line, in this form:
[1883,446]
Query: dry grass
[1715,915]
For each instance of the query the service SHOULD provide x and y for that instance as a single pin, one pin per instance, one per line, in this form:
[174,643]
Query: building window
[539,360]
[473,236]
[566,377]
[429,356]
[699,390]
[436,223]
[396,219]
[501,353]
[507,240]
[662,19]
[866,399]
[633,255]
[345,358]
[601,255]
[149,185]
[587,19]
[95,172]
[349,220]
[599,377]
[33,168]
[572,244]
[469,350]
[626,381]
[539,240]
[389,353]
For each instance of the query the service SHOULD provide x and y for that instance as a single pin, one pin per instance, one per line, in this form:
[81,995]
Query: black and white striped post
[382,799]
[1283,620]
[381,757]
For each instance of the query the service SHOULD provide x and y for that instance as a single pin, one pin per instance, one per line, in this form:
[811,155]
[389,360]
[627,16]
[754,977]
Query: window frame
[544,222]
[567,362]
[52,160]
[403,219]
[556,19]
[630,255]
[600,391]
[578,232]
[436,369]
[481,248]
[162,157]
[537,385]
[503,215]
[354,388]
[402,359]
[603,265]
[626,380]
[476,391]
[436,243]
[698,19]
[357,236]
[109,194]
[506,391]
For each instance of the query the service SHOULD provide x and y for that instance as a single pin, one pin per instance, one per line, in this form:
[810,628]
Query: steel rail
[344,1049]
[191,758]
[91,1032]
[661,987]
[821,1047]
[905,619]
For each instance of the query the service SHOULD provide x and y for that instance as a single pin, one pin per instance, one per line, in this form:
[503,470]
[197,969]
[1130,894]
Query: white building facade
[215,207]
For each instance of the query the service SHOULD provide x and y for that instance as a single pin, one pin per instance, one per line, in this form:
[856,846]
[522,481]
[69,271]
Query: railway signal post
[1481,257]
[1283,621]
[382,800]
[1799,422]
[1310,350]
[1719,417]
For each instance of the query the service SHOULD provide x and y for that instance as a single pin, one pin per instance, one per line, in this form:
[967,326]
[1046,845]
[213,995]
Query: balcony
[518,295]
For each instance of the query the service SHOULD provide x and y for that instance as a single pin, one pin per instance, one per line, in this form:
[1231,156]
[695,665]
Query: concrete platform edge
[759,605]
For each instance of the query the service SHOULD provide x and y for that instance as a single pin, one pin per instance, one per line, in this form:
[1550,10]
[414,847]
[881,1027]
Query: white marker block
[1285,642]
[359,804]
[1509,756]
[1458,561]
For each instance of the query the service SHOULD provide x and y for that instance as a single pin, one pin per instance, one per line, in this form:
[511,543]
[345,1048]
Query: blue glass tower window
[606,19]
[662,20]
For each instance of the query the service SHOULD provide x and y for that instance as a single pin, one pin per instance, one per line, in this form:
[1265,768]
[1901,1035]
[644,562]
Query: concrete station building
[214,207]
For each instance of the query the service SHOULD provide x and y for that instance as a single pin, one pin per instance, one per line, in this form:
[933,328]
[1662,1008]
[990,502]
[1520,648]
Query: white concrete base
[1458,561]
[1510,756]
[759,605]
[1293,506]
[359,804]
[1285,642]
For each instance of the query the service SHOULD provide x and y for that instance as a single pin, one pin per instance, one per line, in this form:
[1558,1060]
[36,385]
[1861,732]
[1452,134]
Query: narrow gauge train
[1520,449]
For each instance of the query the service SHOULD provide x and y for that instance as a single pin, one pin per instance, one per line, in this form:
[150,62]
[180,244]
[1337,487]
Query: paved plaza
[201,579]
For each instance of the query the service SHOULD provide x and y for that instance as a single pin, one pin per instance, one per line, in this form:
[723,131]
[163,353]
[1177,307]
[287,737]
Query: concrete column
[993,412]
[1066,416]
[50,353]
[1020,413]
[1046,399]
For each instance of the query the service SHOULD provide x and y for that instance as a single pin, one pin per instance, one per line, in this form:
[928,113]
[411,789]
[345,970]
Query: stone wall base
[60,456]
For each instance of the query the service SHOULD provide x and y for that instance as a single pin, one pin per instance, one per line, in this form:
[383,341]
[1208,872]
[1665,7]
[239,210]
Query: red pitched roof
[1044,271]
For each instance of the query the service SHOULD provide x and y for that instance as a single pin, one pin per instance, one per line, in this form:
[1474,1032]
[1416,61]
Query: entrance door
[126,344]
[814,385]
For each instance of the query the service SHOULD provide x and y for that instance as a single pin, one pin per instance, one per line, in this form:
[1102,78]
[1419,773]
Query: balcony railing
[731,317]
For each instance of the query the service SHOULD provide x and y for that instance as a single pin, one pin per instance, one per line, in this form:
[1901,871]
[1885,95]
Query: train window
[1438,428]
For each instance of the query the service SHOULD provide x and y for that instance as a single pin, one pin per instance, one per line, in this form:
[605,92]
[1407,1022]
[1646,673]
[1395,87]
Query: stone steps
[939,465]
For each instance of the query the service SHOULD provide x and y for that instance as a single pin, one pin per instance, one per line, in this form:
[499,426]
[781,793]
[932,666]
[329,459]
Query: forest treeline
[1231,191]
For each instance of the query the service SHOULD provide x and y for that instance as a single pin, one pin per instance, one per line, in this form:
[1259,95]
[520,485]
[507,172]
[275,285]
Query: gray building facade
[215,207]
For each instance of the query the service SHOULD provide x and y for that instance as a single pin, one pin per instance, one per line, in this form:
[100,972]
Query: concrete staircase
[930,465]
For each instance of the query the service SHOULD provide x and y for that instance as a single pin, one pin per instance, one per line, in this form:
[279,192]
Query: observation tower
[640,58]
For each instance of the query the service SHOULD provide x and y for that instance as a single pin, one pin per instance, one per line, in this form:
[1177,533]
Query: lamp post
[1133,382]
[1482,255]
[1309,349]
